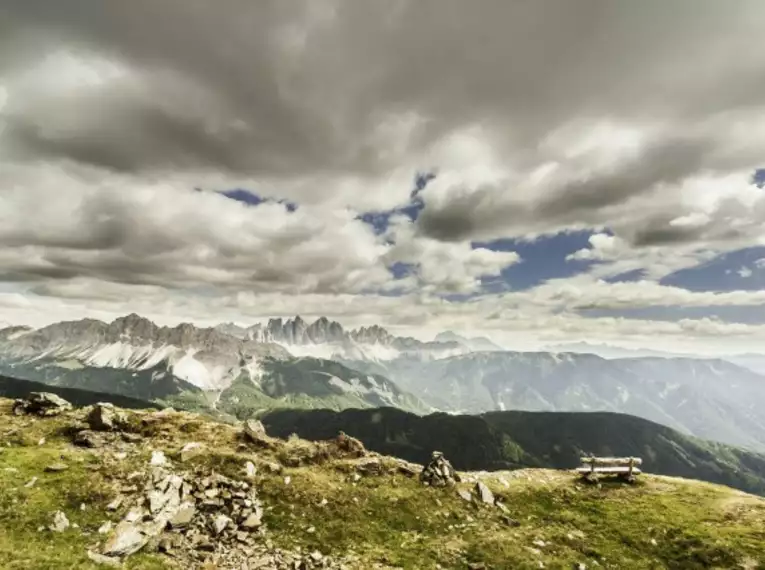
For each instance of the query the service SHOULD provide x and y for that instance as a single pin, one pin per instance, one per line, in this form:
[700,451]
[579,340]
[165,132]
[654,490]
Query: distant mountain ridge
[328,339]
[713,399]
[198,368]
[511,440]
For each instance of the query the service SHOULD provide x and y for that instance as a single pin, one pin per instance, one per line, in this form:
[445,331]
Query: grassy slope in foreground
[512,439]
[387,519]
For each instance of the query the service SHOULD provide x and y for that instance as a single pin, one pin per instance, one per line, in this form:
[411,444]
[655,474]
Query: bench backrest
[611,461]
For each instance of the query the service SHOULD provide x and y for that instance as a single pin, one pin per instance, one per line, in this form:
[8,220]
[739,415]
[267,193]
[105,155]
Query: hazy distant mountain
[324,338]
[713,399]
[475,344]
[611,351]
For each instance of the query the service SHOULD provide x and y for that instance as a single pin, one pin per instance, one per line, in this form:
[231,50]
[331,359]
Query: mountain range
[192,367]
[709,398]
[235,371]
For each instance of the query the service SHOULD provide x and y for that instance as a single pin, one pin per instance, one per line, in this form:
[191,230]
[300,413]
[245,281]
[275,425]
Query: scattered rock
[253,521]
[350,445]
[371,467]
[484,493]
[31,483]
[105,417]
[184,515]
[158,458]
[287,480]
[131,437]
[115,504]
[104,560]
[56,467]
[105,528]
[60,522]
[580,566]
[91,439]
[439,472]
[41,404]
[127,539]
[192,449]
[465,495]
[249,469]
[256,432]
[220,523]
[41,441]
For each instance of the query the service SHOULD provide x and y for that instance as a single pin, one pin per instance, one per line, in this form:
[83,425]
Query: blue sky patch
[253,199]
[380,220]
[740,270]
[758,178]
[541,259]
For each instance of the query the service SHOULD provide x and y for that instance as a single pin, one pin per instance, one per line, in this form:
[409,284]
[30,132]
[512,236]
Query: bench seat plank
[611,469]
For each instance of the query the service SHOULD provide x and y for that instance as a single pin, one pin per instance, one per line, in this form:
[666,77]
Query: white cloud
[744,272]
[106,127]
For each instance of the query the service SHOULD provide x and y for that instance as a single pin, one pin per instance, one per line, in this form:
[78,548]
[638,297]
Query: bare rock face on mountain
[41,404]
[206,358]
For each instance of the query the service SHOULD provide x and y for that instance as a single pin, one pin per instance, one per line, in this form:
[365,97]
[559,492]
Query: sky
[537,172]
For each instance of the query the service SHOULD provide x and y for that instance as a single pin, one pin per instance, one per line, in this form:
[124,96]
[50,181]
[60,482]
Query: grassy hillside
[318,500]
[509,440]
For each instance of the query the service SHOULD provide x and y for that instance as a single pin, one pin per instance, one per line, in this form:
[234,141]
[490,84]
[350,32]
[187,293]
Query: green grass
[657,523]
[23,510]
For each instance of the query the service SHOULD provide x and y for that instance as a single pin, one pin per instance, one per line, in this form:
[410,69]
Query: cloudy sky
[539,171]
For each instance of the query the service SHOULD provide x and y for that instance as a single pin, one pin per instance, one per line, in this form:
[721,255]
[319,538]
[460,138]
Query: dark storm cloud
[309,82]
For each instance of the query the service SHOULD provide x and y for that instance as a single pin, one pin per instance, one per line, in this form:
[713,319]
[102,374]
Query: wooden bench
[624,467]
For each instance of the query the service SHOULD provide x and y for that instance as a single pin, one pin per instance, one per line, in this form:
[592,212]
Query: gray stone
[183,516]
[88,438]
[252,521]
[56,467]
[484,493]
[158,458]
[115,504]
[42,404]
[465,495]
[220,523]
[255,432]
[127,539]
[191,450]
[104,560]
[60,522]
[105,417]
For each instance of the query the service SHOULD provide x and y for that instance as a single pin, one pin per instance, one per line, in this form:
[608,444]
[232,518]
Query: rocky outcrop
[105,417]
[439,472]
[41,404]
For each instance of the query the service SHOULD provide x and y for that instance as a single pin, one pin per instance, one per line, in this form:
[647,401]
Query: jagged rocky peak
[374,334]
[134,326]
[323,330]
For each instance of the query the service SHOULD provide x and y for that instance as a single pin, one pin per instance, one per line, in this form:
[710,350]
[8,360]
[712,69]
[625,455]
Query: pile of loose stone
[439,472]
[201,517]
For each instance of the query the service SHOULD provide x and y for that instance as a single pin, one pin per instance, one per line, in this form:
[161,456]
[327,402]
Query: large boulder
[42,404]
[255,432]
[105,417]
